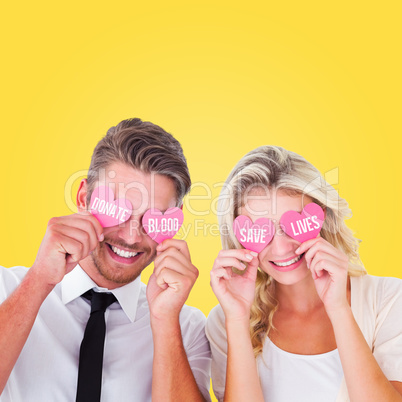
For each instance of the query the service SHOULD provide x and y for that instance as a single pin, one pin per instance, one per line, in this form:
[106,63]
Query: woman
[299,321]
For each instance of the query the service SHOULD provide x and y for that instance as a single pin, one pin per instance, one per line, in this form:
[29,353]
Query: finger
[218,278]
[306,245]
[172,252]
[228,262]
[88,217]
[88,223]
[175,280]
[96,225]
[219,273]
[329,263]
[81,236]
[173,264]
[327,248]
[90,237]
[322,244]
[251,271]
[69,246]
[180,245]
[240,253]
[324,267]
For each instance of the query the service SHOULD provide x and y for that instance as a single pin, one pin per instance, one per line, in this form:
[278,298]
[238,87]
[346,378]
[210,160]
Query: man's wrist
[170,321]
[39,285]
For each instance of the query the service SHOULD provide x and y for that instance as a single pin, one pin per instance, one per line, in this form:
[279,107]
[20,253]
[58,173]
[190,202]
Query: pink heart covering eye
[108,211]
[253,236]
[304,226]
[161,226]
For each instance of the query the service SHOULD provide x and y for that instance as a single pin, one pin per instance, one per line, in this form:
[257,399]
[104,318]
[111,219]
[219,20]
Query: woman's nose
[281,245]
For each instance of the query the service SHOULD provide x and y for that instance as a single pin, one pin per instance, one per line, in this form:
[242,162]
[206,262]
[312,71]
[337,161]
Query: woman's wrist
[237,325]
[339,314]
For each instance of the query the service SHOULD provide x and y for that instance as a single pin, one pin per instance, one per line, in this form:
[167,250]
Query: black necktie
[91,352]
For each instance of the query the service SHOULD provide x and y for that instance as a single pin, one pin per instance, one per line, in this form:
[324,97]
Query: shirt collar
[77,282]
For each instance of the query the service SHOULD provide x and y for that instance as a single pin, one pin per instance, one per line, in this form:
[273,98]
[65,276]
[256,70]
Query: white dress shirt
[47,367]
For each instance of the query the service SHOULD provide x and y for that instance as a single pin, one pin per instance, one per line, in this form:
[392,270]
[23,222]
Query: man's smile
[122,255]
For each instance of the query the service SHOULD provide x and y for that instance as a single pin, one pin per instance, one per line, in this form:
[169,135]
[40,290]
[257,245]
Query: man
[154,346]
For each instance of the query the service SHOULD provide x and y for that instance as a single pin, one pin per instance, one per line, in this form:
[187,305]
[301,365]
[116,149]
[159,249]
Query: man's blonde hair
[144,146]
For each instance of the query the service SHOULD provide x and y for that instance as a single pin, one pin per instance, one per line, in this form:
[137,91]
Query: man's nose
[131,231]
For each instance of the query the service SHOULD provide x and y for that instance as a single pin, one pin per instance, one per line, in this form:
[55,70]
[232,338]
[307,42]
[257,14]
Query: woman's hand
[329,268]
[235,292]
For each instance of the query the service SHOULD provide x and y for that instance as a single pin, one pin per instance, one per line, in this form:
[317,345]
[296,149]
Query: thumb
[251,270]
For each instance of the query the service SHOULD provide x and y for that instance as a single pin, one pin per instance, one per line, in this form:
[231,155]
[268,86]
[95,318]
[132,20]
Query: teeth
[287,263]
[122,253]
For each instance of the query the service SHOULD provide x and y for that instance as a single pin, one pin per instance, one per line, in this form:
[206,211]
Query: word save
[254,235]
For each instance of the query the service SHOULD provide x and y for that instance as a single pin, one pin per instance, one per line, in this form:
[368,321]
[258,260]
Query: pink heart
[304,226]
[161,226]
[107,210]
[253,236]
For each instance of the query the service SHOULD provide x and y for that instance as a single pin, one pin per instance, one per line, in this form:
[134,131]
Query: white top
[47,367]
[287,376]
[376,304]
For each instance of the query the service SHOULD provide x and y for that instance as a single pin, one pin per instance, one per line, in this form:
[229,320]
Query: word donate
[161,226]
[304,226]
[108,211]
[253,236]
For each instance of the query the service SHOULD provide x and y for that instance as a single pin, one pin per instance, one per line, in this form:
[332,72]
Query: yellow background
[320,78]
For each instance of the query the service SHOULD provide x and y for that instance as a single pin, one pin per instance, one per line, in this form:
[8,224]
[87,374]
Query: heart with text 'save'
[253,236]
[304,226]
[108,211]
[161,226]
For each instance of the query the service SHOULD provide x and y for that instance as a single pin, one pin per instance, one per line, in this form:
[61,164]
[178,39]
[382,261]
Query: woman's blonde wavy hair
[275,168]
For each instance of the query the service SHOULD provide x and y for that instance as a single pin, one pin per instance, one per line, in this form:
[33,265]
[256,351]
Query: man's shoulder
[192,322]
[10,278]
[192,314]
[17,271]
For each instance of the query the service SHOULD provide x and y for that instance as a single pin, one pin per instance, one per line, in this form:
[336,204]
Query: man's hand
[171,282]
[68,239]
[167,291]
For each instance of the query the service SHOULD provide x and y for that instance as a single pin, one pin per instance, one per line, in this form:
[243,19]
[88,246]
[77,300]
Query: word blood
[163,225]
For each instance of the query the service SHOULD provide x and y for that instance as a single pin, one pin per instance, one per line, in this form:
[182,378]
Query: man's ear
[82,195]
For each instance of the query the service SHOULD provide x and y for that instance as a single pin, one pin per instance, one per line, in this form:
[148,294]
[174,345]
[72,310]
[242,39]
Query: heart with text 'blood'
[161,226]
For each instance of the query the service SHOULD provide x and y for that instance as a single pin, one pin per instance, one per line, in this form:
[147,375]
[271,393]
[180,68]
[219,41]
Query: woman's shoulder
[216,316]
[379,290]
[378,283]
[215,322]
